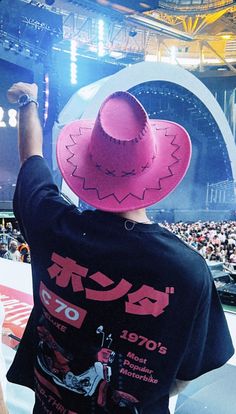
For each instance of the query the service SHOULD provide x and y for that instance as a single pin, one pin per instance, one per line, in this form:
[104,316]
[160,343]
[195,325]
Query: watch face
[23,99]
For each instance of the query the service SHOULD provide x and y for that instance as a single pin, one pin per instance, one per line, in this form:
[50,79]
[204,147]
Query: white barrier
[16,275]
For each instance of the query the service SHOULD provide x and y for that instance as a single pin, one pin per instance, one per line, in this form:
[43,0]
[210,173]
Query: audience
[213,240]
[12,244]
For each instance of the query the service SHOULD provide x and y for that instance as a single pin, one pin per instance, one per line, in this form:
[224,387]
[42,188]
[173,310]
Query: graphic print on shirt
[56,363]
[66,272]
[91,376]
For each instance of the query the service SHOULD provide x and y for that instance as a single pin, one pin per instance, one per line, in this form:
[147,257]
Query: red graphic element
[141,340]
[170,290]
[57,362]
[121,395]
[66,270]
[60,363]
[102,394]
[144,301]
[17,306]
[108,295]
[60,308]
[101,279]
[105,355]
[55,403]
[46,383]
[55,322]
[141,301]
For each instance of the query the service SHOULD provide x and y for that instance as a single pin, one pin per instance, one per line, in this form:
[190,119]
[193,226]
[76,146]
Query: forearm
[30,136]
[3,407]
[29,128]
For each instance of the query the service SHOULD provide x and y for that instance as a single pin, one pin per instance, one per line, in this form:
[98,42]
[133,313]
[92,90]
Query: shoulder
[33,165]
[186,260]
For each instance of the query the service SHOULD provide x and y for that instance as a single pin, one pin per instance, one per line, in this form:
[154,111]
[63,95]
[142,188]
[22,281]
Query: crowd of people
[213,240]
[12,244]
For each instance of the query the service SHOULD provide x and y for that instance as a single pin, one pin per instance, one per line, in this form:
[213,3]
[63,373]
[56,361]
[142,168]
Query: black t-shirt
[120,309]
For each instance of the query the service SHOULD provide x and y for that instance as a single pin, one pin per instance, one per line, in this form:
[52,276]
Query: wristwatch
[25,99]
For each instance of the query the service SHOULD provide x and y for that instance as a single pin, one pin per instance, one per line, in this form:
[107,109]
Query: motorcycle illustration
[56,362]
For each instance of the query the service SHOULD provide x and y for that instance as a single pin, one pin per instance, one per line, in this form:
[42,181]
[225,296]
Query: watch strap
[26,101]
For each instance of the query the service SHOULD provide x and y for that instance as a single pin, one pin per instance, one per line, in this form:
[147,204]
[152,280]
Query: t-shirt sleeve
[210,345]
[37,203]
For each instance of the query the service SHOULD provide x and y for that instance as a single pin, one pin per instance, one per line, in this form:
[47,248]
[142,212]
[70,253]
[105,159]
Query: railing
[223,192]
[191,6]
[7,192]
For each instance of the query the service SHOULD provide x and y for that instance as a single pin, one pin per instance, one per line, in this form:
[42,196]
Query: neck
[140,216]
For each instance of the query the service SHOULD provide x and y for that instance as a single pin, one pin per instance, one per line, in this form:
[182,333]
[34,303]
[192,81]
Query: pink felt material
[123,161]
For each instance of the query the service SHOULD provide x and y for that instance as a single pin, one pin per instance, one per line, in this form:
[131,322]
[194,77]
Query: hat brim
[117,194]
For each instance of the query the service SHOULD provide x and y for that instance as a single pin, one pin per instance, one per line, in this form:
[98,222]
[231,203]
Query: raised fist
[22,88]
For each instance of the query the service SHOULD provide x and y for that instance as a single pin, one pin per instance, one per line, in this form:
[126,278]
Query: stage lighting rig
[31,23]
[133,33]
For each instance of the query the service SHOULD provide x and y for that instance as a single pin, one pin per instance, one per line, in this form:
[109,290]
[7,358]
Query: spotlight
[133,33]
[49,2]
[6,44]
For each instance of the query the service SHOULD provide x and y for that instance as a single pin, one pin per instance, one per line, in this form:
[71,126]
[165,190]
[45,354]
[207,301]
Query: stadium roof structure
[198,34]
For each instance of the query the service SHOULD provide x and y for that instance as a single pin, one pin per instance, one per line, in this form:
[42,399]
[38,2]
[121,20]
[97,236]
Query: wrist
[26,99]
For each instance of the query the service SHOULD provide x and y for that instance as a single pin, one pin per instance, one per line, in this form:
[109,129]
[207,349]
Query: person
[3,249]
[232,257]
[125,313]
[209,252]
[9,228]
[13,253]
[27,258]
[23,248]
[3,235]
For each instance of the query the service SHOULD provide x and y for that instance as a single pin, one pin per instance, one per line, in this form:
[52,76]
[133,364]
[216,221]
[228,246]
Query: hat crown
[98,159]
[122,143]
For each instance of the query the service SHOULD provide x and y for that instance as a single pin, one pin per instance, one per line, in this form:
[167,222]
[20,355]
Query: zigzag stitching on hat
[95,189]
[81,129]
[167,176]
[169,166]
[130,194]
[79,134]
[72,139]
[111,194]
[72,153]
[74,143]
[163,129]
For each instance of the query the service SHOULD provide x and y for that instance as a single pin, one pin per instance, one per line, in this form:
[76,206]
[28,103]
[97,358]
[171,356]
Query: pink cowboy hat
[123,160]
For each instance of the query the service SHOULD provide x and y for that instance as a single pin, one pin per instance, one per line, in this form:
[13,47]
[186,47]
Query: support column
[201,68]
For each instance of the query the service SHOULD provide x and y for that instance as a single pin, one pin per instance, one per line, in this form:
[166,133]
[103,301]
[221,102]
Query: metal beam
[231,67]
